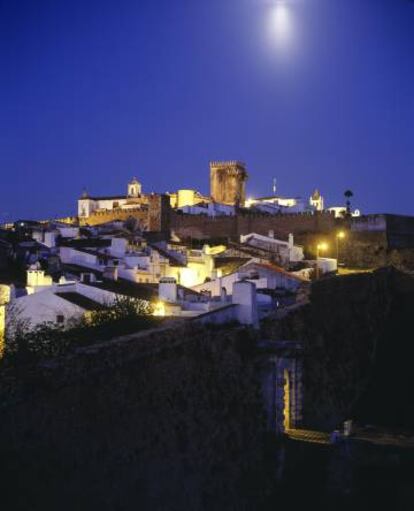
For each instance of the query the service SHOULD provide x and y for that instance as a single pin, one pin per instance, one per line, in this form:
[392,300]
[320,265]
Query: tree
[26,343]
[124,308]
[348,194]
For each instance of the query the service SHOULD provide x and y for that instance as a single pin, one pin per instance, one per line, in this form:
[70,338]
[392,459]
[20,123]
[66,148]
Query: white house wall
[268,279]
[41,307]
[69,255]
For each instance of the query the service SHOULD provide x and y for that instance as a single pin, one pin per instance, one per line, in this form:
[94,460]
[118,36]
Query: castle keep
[228,182]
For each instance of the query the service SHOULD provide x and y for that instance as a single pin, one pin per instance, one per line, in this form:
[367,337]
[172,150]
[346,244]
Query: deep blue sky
[318,93]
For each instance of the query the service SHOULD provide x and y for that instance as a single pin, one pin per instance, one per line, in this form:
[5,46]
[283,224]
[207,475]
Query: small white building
[87,204]
[263,275]
[242,306]
[286,251]
[340,211]
[327,265]
[61,307]
[277,205]
[211,209]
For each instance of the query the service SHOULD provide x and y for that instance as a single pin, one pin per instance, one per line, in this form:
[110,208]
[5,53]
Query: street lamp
[339,236]
[319,247]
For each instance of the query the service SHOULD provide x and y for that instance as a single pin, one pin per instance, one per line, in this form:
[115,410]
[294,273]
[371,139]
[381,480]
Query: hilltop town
[213,258]
[222,318]
[278,308]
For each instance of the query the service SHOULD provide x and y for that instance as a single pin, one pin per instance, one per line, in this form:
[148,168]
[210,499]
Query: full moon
[281,23]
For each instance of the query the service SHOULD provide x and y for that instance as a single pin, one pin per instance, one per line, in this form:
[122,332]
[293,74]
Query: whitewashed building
[148,264]
[263,275]
[286,251]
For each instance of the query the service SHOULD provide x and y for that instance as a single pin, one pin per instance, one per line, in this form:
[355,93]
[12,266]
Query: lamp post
[319,247]
[339,236]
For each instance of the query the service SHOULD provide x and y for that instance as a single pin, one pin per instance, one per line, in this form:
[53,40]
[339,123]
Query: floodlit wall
[185,198]
[70,255]
[203,227]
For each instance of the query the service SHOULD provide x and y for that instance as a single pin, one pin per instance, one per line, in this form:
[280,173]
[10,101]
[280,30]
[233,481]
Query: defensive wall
[203,227]
[101,217]
[154,218]
[140,422]
[356,332]
[379,240]
[371,241]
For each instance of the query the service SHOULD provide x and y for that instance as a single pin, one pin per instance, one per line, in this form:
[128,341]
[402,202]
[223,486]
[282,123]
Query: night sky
[317,93]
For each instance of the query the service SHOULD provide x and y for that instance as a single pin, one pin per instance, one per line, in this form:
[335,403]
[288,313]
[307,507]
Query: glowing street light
[321,247]
[159,309]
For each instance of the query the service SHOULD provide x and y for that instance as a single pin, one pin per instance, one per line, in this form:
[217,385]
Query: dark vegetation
[26,345]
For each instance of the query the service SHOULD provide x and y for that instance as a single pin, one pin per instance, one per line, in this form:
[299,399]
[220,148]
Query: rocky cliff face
[357,333]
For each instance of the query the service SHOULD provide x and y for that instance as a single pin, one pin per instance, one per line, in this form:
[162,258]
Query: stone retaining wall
[167,419]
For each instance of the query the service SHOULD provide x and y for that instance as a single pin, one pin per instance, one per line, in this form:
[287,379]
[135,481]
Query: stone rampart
[202,227]
[110,215]
[356,333]
[141,422]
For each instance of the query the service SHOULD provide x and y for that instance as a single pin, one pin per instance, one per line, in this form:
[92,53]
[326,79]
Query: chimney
[87,277]
[167,289]
[118,246]
[271,233]
[111,273]
[290,240]
[244,295]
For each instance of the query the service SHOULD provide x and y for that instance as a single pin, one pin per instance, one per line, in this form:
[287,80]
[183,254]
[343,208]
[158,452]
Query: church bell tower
[134,188]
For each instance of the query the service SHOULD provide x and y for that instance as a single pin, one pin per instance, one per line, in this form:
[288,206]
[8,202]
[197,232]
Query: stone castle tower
[228,182]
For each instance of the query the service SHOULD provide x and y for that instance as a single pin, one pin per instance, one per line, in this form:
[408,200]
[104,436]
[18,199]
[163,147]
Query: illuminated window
[286,410]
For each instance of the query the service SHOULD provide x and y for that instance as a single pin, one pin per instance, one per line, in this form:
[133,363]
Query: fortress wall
[101,217]
[134,423]
[155,217]
[200,226]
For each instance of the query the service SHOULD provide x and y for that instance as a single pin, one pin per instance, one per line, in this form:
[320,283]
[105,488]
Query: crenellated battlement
[109,215]
[234,163]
